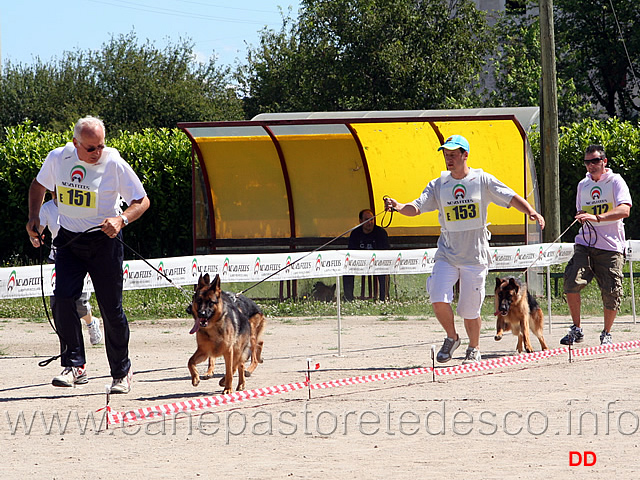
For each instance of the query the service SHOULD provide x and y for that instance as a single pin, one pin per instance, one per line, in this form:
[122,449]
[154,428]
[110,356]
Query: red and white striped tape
[613,347]
[199,403]
[149,413]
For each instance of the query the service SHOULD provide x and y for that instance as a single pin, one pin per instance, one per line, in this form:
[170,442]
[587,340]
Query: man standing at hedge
[89,179]
[602,201]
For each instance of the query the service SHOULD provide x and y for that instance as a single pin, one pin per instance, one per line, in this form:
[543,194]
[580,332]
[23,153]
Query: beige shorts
[604,265]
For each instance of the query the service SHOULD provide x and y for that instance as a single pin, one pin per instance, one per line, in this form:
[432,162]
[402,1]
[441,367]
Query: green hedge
[162,160]
[621,141]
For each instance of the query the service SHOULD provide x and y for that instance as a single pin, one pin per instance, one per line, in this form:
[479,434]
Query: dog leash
[547,249]
[311,252]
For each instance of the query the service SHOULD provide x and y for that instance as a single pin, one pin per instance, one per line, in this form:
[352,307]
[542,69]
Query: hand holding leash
[390,204]
[34,235]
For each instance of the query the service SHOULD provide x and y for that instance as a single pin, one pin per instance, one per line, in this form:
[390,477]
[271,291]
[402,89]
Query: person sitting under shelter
[367,236]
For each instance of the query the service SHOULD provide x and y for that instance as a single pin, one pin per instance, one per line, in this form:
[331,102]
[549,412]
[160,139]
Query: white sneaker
[122,385]
[95,335]
[605,338]
[446,351]
[71,376]
[472,356]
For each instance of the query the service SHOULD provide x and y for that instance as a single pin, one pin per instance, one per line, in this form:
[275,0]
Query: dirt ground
[521,421]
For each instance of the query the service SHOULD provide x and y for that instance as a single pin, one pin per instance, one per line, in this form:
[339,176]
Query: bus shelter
[294,181]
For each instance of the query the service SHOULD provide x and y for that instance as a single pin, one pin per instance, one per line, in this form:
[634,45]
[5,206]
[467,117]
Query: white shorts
[472,279]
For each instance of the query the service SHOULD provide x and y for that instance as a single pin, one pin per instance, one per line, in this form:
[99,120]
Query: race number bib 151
[76,198]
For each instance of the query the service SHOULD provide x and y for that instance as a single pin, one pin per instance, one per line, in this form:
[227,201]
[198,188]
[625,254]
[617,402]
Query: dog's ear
[498,282]
[216,283]
[515,285]
[202,281]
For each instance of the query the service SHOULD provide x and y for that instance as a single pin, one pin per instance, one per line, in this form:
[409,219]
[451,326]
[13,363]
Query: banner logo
[194,267]
[13,278]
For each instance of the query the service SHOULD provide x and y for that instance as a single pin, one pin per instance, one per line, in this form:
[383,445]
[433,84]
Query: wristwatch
[124,219]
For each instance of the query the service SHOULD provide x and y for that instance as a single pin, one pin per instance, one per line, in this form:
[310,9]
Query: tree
[593,52]
[129,85]
[147,87]
[370,55]
[517,70]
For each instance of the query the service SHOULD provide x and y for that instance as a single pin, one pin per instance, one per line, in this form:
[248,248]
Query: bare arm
[407,209]
[112,225]
[523,206]
[621,211]
[36,196]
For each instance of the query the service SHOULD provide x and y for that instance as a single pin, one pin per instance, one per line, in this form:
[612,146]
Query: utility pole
[549,132]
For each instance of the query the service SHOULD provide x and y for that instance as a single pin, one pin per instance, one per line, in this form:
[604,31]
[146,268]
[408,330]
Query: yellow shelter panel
[247,187]
[497,147]
[402,158]
[328,182]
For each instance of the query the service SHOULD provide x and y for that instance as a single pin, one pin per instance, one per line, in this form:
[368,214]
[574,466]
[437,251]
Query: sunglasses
[592,161]
[93,149]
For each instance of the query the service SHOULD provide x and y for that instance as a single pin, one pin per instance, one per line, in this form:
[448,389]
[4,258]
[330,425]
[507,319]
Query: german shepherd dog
[225,325]
[323,293]
[517,310]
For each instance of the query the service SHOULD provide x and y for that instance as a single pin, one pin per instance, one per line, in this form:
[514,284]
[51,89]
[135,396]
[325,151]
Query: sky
[45,29]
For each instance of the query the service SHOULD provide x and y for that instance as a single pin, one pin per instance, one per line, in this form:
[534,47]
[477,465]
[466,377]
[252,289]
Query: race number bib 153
[467,211]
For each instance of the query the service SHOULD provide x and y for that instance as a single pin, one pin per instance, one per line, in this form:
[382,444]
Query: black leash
[46,362]
[590,232]
[189,296]
[384,197]
[313,251]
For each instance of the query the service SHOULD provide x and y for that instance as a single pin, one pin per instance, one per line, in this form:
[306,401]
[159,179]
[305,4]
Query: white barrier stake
[433,361]
[339,317]
[107,389]
[633,295]
[549,295]
[309,376]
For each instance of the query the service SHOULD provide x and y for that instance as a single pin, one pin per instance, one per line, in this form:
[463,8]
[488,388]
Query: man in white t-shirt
[461,195]
[89,179]
[49,219]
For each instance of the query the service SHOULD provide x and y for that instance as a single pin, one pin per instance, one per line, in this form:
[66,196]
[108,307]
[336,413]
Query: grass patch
[408,299]
[393,319]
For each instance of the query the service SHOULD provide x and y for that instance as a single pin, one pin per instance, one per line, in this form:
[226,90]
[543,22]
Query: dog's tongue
[496,314]
[196,326]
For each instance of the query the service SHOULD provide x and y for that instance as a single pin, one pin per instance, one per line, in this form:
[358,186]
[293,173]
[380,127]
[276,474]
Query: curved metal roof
[296,179]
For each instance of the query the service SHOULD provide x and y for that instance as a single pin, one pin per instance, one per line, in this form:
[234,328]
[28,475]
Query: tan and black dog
[517,310]
[323,293]
[223,328]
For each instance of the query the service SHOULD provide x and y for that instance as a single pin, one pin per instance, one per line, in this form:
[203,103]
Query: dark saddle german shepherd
[517,310]
[226,325]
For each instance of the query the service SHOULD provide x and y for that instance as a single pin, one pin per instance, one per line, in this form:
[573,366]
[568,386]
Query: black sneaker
[574,335]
